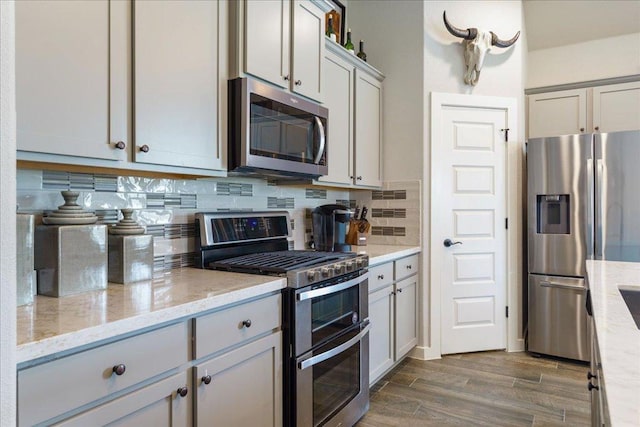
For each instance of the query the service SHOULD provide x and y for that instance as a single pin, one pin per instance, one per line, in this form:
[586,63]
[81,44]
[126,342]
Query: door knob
[447,243]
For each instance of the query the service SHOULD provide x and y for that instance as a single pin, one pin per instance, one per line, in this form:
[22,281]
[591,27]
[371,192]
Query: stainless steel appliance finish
[557,316]
[326,318]
[273,132]
[582,204]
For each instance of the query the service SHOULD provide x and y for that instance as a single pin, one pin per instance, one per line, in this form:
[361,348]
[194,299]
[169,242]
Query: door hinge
[506,223]
[506,311]
[506,134]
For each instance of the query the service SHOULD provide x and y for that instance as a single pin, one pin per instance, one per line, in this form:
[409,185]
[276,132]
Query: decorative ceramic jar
[130,251]
[26,276]
[70,251]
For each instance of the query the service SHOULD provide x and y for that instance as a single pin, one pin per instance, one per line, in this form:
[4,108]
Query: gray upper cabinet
[71,78]
[280,41]
[176,80]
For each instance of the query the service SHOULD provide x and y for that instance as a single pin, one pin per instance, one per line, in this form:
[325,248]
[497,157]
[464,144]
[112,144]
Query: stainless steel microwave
[272,132]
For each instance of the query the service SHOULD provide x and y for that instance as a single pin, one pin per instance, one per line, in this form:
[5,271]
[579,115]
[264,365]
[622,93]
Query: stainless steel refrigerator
[583,202]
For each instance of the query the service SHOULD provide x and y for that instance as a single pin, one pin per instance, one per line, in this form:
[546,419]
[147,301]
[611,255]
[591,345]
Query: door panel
[471,171]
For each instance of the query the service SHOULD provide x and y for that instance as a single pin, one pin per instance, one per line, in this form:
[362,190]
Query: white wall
[592,60]
[7,216]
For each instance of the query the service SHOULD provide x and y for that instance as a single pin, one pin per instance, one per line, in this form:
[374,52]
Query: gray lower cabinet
[222,367]
[242,387]
[393,309]
[167,402]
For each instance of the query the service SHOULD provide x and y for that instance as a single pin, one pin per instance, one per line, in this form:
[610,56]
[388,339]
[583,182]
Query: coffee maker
[330,228]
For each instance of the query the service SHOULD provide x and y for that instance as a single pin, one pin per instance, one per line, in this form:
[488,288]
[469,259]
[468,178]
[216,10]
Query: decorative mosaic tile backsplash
[167,206]
[394,213]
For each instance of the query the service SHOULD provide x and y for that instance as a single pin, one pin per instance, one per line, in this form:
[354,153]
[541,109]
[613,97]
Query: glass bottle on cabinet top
[361,53]
[349,44]
[330,33]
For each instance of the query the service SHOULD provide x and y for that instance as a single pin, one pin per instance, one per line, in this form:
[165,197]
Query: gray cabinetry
[238,378]
[353,95]
[393,308]
[71,77]
[49,390]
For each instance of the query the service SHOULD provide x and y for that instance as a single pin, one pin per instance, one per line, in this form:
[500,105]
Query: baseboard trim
[424,353]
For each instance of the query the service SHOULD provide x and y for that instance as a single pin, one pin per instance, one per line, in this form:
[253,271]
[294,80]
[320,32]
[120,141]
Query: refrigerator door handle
[590,209]
[547,284]
[600,209]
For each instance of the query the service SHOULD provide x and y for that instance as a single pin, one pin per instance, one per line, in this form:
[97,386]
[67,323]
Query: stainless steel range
[325,318]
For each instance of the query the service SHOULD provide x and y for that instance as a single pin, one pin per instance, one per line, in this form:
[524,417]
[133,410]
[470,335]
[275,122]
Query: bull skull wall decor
[477,43]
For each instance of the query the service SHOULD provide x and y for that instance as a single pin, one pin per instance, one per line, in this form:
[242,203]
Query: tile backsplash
[167,206]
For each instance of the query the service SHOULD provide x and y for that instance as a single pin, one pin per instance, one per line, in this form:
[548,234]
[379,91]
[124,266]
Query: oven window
[336,381]
[282,132]
[334,313]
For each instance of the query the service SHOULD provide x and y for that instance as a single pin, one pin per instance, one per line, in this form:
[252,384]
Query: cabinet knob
[119,369]
[597,127]
[408,267]
[380,276]
[246,323]
[183,391]
[206,379]
[393,293]
[286,78]
[592,387]
[359,178]
[581,129]
[120,145]
[590,375]
[399,291]
[144,148]
[298,82]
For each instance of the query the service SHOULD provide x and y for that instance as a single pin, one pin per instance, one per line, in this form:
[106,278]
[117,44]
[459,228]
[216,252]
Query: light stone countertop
[379,254]
[52,325]
[618,338]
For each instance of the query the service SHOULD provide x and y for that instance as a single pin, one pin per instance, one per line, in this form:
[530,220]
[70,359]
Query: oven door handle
[334,351]
[331,289]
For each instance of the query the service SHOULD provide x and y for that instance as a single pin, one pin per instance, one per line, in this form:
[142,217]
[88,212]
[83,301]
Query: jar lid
[70,213]
[127,225]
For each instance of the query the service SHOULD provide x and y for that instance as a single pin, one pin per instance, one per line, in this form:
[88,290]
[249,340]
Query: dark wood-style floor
[481,389]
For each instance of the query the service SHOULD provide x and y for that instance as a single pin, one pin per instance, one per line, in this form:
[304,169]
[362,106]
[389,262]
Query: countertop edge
[396,252]
[95,334]
[618,337]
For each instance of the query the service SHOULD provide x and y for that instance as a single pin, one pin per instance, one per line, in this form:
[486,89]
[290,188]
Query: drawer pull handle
[120,145]
[119,369]
[399,290]
[206,379]
[590,375]
[408,267]
[144,148]
[591,387]
[380,276]
[299,83]
[246,323]
[183,391]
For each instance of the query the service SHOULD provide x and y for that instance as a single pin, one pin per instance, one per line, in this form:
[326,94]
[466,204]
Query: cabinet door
[406,315]
[368,136]
[558,113]
[308,49]
[266,40]
[338,98]
[381,315]
[157,405]
[616,107]
[176,83]
[244,386]
[71,77]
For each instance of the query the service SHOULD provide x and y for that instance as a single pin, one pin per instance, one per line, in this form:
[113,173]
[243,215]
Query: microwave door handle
[334,351]
[321,134]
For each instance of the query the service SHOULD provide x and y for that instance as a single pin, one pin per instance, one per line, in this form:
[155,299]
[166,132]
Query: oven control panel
[317,274]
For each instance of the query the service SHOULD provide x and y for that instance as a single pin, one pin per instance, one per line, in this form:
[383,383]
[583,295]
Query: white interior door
[469,163]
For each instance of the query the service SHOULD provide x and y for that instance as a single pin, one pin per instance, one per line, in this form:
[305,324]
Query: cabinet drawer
[380,276]
[405,267]
[227,327]
[53,388]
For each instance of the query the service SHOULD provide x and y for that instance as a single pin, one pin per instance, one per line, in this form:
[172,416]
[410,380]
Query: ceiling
[552,23]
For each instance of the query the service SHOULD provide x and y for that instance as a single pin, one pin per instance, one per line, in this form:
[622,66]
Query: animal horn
[468,34]
[495,40]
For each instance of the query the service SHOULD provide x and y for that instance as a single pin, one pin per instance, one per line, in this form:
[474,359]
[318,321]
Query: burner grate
[276,262]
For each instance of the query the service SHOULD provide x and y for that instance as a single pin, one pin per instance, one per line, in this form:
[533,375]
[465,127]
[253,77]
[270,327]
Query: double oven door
[329,363]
